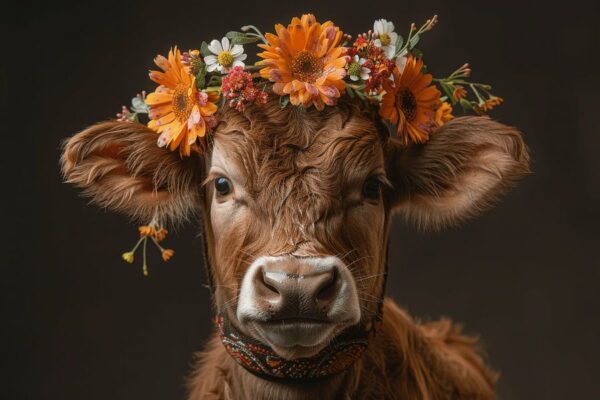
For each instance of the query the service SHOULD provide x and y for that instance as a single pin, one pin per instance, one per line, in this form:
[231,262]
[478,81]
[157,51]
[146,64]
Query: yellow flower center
[354,69]
[307,67]
[407,102]
[385,39]
[182,103]
[225,58]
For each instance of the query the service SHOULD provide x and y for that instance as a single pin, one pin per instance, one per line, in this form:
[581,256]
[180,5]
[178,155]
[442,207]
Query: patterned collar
[262,361]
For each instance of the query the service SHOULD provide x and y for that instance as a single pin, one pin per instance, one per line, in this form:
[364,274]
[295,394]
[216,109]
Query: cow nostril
[266,284]
[328,287]
[270,287]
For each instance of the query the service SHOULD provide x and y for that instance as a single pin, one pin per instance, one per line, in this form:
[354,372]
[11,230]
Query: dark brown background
[82,324]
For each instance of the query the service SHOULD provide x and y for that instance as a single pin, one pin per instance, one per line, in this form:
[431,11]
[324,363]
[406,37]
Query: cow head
[297,204]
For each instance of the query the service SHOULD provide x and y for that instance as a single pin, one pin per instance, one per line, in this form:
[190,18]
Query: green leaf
[466,104]
[241,38]
[139,106]
[350,92]
[201,77]
[417,53]
[214,80]
[204,49]
[413,41]
[399,44]
[284,101]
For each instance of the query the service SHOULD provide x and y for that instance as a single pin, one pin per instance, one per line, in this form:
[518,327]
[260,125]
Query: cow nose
[292,294]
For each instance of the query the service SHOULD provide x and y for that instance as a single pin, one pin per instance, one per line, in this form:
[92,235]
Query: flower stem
[145,264]
[137,245]
[446,90]
[156,243]
[253,68]
[255,29]
[476,93]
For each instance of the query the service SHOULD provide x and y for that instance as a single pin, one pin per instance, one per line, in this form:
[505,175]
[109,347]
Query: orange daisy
[487,105]
[178,111]
[305,61]
[459,93]
[443,113]
[410,102]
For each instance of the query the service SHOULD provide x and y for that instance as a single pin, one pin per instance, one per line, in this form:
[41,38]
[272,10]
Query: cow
[296,206]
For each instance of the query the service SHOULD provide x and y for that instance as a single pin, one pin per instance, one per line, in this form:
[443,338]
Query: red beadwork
[262,360]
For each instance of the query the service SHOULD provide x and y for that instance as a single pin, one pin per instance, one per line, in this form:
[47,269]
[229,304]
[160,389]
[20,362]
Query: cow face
[297,204]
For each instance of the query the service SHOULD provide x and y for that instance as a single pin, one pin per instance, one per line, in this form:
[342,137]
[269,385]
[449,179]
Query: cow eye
[222,186]
[372,189]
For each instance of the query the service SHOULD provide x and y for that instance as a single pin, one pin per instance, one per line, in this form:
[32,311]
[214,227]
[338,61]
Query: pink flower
[238,88]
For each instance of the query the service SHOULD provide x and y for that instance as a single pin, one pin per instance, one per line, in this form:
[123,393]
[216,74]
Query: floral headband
[305,64]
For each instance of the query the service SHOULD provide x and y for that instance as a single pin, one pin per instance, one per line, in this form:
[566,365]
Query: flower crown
[306,64]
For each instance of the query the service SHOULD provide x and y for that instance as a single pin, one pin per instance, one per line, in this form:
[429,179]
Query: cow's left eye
[222,186]
[372,189]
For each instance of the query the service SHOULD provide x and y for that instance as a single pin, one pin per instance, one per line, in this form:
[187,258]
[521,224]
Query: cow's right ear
[120,167]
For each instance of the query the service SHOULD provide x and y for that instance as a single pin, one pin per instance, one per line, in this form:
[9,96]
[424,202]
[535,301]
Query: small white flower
[356,71]
[224,56]
[387,37]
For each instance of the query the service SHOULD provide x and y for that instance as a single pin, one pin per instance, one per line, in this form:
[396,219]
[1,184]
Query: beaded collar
[261,360]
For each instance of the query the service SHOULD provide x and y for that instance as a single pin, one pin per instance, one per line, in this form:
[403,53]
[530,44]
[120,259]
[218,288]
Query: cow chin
[297,305]
[298,339]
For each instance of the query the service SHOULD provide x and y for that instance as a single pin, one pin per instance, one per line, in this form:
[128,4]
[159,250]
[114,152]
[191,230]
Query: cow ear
[120,167]
[465,166]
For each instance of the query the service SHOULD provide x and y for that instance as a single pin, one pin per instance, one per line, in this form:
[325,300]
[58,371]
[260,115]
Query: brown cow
[297,207]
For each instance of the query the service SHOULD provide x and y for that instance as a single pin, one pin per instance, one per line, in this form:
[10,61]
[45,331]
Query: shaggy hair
[298,165]
[468,163]
[119,166]
[301,167]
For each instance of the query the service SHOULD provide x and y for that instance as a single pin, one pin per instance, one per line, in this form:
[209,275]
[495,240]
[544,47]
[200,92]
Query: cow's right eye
[222,186]
[372,189]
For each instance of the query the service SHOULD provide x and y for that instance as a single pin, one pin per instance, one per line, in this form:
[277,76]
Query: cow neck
[262,361]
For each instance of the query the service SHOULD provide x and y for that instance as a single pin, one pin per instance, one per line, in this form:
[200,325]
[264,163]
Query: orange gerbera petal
[158,98]
[410,102]
[305,52]
[173,101]
[208,109]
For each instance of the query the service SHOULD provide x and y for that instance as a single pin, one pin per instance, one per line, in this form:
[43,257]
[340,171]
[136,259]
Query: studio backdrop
[83,324]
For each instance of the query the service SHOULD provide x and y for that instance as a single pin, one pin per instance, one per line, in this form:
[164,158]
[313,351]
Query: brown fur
[459,173]
[303,171]
[119,166]
[408,360]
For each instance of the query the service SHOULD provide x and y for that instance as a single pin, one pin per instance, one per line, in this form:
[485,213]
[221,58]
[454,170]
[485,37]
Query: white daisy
[224,56]
[387,37]
[356,70]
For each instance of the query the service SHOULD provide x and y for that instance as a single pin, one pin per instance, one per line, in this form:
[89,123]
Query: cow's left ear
[458,173]
[120,167]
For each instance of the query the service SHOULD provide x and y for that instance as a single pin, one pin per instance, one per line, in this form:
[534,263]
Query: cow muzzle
[296,305]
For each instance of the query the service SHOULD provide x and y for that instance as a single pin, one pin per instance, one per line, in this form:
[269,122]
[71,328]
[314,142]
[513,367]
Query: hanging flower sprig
[455,87]
[156,233]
